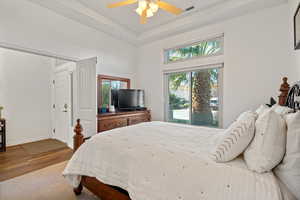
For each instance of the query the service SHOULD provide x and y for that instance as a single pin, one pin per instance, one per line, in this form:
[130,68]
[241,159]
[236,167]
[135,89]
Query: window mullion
[167,109]
[190,97]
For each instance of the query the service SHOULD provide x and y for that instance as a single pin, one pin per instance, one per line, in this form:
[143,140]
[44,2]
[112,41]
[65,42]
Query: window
[194,97]
[211,47]
[108,83]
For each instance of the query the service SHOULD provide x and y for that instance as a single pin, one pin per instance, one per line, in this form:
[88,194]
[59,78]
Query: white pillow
[289,170]
[268,146]
[236,138]
[282,110]
[261,109]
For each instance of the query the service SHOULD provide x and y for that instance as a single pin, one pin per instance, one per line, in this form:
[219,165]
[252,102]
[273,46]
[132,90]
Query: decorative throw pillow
[282,110]
[268,146]
[236,138]
[289,170]
[262,109]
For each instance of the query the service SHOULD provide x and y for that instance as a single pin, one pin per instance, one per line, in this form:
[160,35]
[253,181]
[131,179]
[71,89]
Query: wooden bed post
[284,89]
[78,140]
[78,137]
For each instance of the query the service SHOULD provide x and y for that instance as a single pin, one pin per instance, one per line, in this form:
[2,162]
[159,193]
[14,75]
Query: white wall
[295,53]
[25,93]
[257,56]
[28,25]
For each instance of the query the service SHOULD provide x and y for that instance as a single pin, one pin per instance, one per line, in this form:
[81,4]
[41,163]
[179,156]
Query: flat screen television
[128,99]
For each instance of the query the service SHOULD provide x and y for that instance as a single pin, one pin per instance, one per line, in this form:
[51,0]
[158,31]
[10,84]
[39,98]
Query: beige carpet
[44,184]
[43,146]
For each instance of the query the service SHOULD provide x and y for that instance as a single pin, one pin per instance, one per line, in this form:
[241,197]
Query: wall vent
[189,8]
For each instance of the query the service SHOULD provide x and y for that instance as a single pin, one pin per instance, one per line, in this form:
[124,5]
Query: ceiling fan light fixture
[147,8]
[139,11]
[154,7]
[149,13]
[143,4]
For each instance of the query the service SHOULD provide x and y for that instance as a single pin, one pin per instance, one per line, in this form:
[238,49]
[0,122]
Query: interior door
[86,107]
[62,106]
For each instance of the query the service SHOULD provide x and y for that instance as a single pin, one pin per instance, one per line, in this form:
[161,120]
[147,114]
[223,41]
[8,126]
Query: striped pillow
[236,138]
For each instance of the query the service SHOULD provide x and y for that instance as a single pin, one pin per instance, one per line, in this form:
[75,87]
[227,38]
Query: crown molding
[221,12]
[229,10]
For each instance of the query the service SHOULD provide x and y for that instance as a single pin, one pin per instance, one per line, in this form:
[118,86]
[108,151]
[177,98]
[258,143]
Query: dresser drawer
[138,119]
[109,121]
[105,125]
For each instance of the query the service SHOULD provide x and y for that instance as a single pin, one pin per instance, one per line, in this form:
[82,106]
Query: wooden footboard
[101,190]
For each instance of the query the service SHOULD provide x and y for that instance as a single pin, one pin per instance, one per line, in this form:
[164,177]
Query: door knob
[65,108]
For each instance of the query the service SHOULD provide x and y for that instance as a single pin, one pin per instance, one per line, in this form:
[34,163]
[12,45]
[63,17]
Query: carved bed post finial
[78,137]
[284,89]
[78,140]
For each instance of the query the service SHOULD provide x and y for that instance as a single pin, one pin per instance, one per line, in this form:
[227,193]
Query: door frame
[220,66]
[49,54]
[70,68]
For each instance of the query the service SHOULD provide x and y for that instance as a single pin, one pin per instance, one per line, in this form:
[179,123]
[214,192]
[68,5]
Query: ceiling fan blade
[121,3]
[169,8]
[144,17]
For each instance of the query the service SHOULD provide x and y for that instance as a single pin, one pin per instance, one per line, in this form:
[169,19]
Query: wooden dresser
[108,121]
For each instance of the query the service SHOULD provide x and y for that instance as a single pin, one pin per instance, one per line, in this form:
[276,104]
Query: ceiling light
[149,13]
[139,11]
[147,8]
[154,7]
[143,4]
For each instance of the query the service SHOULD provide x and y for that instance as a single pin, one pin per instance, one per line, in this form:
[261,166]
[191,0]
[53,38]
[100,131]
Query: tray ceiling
[124,23]
[127,16]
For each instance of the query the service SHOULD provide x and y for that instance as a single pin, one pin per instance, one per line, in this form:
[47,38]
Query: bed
[164,161]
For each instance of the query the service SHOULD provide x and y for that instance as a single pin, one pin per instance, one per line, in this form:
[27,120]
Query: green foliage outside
[202,49]
[105,95]
[177,103]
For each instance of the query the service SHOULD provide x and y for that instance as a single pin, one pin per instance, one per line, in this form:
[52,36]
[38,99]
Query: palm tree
[201,95]
[202,81]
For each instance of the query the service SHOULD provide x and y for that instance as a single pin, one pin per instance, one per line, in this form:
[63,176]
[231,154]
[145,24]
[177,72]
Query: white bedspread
[164,161]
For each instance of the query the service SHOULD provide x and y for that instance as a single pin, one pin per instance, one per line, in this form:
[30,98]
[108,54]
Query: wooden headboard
[289,96]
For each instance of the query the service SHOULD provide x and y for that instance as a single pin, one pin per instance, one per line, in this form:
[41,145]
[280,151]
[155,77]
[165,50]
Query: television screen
[130,99]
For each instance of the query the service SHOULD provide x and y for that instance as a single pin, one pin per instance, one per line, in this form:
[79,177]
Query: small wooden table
[2,135]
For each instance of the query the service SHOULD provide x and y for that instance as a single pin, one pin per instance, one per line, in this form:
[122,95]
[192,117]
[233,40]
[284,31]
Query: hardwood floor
[24,158]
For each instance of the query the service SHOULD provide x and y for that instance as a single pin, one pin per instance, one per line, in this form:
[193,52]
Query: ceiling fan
[147,8]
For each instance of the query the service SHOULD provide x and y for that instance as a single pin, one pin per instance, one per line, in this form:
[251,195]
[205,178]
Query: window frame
[102,77]
[166,74]
[219,37]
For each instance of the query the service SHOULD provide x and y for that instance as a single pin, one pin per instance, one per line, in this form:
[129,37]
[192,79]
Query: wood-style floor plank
[18,160]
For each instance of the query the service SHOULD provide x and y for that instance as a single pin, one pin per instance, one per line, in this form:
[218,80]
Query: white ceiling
[126,16]
[124,23]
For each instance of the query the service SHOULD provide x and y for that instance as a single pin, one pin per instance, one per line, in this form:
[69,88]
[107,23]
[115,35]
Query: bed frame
[108,192]
[101,190]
